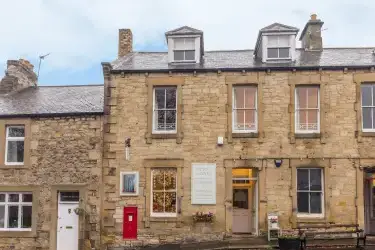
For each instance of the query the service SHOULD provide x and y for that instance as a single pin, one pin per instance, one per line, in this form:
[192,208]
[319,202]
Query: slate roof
[53,101]
[243,59]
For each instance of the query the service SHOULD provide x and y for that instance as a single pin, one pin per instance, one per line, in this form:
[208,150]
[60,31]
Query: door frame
[81,188]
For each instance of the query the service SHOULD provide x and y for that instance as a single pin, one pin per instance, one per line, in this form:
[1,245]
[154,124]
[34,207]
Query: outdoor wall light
[278,162]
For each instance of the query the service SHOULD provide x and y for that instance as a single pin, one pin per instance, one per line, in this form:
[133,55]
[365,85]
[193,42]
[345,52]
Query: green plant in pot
[289,241]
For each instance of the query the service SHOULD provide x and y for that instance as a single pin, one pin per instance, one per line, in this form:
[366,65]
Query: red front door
[130,223]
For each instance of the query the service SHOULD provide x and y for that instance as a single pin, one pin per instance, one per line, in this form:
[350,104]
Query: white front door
[67,225]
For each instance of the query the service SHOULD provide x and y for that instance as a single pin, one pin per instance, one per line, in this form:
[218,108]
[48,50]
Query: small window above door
[69,196]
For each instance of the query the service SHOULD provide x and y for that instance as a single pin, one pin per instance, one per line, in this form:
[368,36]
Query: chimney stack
[125,42]
[311,35]
[19,75]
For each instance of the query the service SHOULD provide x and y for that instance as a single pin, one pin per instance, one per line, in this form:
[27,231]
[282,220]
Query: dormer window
[185,45]
[184,49]
[278,47]
[276,43]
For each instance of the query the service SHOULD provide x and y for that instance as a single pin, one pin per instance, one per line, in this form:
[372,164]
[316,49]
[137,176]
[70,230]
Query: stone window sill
[164,136]
[368,134]
[3,166]
[15,234]
[162,219]
[245,135]
[307,135]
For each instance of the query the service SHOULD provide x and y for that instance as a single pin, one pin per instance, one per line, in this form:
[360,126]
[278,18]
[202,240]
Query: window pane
[367,118]
[157,180]
[129,182]
[158,202]
[315,179]
[179,55]
[16,132]
[159,98]
[272,53]
[178,43]
[283,41]
[2,216]
[27,197]
[170,202]
[312,118]
[302,179]
[171,98]
[15,151]
[239,95]
[316,203]
[250,97]
[26,217]
[366,95]
[170,120]
[13,198]
[273,41]
[303,202]
[159,117]
[239,119]
[2,197]
[301,94]
[13,216]
[189,43]
[284,53]
[302,120]
[249,120]
[190,55]
[170,179]
[312,98]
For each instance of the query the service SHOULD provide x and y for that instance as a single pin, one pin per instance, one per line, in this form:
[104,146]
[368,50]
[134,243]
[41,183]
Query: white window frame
[296,109]
[152,214]
[310,215]
[20,203]
[234,130]
[136,184]
[184,49]
[372,107]
[7,139]
[279,47]
[154,130]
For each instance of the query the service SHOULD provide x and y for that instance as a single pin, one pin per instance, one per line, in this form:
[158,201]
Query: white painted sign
[203,183]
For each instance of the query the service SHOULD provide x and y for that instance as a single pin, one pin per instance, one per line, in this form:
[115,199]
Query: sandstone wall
[66,151]
[204,119]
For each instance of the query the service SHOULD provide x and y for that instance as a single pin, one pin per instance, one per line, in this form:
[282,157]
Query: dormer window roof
[185,45]
[276,43]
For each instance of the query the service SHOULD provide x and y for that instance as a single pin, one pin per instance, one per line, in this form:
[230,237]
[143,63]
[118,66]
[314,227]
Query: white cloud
[83,33]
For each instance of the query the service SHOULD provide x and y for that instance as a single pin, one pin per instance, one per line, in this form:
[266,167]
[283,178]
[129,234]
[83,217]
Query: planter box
[289,244]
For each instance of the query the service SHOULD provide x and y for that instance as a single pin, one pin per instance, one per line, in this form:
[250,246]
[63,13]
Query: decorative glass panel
[26,217]
[16,132]
[164,190]
[15,151]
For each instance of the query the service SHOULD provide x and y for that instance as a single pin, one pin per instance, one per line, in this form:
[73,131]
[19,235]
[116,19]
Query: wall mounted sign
[203,183]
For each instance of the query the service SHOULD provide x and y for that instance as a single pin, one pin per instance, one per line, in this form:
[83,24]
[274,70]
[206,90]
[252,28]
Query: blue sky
[82,34]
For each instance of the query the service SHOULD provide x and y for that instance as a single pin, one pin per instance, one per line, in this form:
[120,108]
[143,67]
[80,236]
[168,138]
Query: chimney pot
[313,17]
[125,42]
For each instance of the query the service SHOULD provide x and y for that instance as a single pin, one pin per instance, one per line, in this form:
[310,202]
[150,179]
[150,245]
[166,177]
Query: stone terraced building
[237,134]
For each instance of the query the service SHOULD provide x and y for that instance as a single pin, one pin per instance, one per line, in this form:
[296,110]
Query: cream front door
[67,224]
[242,215]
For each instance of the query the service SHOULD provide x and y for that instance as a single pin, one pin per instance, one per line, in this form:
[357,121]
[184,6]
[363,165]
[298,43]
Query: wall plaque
[203,183]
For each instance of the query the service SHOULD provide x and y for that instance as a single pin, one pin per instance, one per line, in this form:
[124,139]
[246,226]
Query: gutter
[52,114]
[248,69]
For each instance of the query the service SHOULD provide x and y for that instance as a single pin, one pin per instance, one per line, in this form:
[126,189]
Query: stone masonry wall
[64,150]
[204,119]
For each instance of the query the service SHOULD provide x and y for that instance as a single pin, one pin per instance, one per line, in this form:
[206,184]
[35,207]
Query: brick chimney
[125,42]
[311,35]
[19,75]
